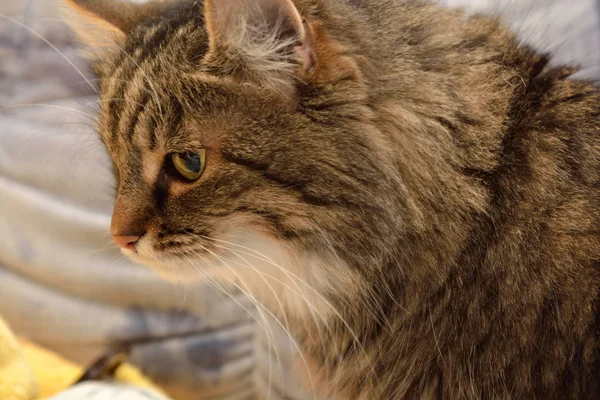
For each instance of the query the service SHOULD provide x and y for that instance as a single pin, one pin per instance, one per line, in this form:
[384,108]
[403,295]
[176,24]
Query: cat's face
[242,150]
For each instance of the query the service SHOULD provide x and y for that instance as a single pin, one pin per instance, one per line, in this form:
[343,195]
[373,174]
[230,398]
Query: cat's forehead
[177,29]
[156,96]
[146,111]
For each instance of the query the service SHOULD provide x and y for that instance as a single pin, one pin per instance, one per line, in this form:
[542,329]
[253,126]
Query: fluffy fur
[415,194]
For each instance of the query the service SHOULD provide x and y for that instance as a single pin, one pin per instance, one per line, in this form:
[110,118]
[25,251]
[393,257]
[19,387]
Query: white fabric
[64,285]
[567,29]
[107,391]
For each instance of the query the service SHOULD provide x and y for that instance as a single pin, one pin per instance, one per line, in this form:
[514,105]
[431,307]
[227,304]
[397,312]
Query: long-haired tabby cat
[412,191]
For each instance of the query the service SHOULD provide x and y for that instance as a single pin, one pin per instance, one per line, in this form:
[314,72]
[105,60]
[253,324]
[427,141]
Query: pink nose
[125,242]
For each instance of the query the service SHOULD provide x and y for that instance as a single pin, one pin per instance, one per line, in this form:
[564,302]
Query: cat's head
[241,139]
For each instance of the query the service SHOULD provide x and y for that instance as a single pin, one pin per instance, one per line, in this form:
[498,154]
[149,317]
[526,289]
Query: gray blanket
[65,286]
[62,282]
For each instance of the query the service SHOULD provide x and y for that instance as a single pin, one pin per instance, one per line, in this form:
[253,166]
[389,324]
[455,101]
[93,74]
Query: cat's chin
[173,268]
[271,271]
[163,269]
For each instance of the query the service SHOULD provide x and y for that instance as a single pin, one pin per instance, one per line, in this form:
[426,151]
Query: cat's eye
[189,165]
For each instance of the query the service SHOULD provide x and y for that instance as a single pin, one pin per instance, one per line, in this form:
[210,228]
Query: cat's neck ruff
[279,277]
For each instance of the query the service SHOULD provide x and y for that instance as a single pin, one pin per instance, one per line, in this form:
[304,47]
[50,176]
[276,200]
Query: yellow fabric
[16,379]
[30,372]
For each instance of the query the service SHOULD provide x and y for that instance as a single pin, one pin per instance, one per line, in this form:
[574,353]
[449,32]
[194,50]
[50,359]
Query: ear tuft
[270,35]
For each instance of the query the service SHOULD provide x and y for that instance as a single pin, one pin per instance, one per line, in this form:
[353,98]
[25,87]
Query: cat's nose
[125,242]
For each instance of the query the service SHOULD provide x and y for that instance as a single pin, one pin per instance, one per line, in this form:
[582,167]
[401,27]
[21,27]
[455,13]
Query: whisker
[52,46]
[109,99]
[270,335]
[297,292]
[312,309]
[257,303]
[262,276]
[109,245]
[261,256]
[49,106]
[76,145]
[38,138]
[185,285]
[263,325]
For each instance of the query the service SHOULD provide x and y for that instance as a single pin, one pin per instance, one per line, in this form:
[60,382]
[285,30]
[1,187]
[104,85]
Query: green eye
[190,164]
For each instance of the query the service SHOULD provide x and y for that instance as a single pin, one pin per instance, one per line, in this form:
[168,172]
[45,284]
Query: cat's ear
[268,33]
[104,24]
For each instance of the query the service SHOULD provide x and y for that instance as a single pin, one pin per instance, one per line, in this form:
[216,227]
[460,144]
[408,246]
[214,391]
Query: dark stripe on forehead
[141,106]
[162,37]
[175,117]
[148,37]
[129,173]
[151,128]
[170,122]
[149,42]
[112,97]
[135,162]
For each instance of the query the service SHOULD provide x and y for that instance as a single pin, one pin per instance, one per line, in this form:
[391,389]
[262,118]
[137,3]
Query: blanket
[30,372]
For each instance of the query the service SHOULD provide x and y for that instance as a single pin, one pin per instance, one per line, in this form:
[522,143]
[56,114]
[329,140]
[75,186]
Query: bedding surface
[63,284]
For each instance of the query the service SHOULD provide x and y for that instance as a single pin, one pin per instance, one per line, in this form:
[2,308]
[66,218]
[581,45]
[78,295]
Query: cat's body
[435,186]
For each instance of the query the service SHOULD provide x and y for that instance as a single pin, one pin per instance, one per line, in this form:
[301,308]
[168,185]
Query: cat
[414,193]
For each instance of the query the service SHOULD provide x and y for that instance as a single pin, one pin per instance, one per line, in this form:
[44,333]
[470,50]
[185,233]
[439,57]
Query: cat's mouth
[255,263]
[196,258]
[175,263]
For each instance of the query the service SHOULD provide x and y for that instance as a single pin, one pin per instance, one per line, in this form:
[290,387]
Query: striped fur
[422,205]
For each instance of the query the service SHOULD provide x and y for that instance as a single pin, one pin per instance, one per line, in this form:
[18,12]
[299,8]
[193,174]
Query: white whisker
[49,106]
[306,284]
[271,342]
[223,260]
[53,47]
